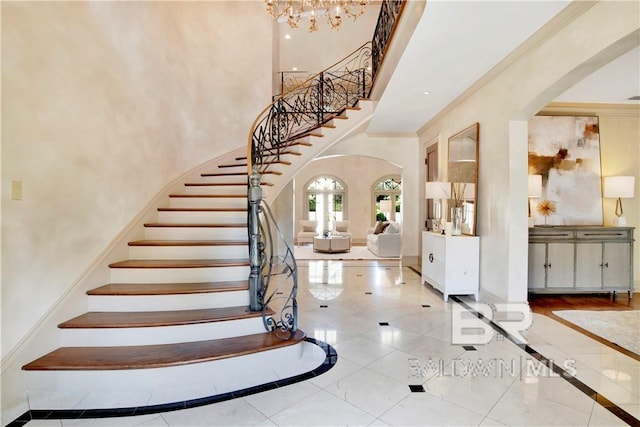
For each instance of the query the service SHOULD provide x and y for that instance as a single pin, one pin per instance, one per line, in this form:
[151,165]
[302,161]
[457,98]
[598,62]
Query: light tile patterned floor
[370,383]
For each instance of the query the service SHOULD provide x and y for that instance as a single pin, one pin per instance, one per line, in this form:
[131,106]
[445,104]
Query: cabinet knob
[430,257]
[606,264]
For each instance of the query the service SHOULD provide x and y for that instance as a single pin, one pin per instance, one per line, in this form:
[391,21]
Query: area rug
[356,252]
[619,327]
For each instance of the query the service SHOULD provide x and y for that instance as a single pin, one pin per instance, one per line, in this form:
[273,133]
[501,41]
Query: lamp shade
[535,186]
[385,206]
[437,190]
[619,186]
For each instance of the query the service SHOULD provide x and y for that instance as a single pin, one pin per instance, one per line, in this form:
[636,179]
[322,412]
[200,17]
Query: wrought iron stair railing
[306,107]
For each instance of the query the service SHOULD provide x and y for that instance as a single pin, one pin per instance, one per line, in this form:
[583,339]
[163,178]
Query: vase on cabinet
[456,220]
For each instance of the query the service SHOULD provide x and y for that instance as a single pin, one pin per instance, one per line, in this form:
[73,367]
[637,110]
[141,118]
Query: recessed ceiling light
[426,92]
[294,69]
[287,36]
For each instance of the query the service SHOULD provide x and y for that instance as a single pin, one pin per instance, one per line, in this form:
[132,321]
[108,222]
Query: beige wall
[581,40]
[104,104]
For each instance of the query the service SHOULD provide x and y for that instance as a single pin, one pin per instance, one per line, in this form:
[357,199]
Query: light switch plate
[16,190]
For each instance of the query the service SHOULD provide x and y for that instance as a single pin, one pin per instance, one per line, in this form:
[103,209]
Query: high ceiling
[454,45]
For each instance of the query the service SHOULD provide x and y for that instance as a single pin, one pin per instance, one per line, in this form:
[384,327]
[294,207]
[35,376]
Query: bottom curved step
[74,394]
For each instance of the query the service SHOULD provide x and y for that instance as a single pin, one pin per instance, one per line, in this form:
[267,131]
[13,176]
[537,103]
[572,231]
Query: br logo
[468,328]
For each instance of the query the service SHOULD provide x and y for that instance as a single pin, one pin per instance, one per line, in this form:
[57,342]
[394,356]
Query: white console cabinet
[451,263]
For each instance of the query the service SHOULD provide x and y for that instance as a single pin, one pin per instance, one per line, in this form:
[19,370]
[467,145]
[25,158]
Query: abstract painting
[565,150]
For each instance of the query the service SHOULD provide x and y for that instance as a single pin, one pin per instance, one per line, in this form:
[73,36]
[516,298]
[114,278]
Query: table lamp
[534,191]
[619,187]
[437,190]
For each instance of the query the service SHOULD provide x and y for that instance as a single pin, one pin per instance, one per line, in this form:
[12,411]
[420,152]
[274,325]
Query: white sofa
[387,243]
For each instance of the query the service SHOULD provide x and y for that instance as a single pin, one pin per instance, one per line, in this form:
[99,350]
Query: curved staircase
[174,322]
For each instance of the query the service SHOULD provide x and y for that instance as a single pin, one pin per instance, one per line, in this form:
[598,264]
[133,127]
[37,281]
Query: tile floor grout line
[591,393]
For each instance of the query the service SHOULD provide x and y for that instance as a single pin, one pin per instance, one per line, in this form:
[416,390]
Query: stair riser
[141,387]
[273,167]
[189,252]
[208,202]
[226,178]
[168,302]
[202,217]
[216,189]
[178,275]
[196,233]
[107,337]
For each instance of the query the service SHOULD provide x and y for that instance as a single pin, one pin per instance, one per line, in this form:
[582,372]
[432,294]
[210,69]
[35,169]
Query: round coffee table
[331,244]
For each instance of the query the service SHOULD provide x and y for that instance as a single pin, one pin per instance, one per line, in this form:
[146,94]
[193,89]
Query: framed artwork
[565,151]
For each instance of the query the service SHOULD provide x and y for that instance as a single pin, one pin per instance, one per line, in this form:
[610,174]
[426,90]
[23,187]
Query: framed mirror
[462,171]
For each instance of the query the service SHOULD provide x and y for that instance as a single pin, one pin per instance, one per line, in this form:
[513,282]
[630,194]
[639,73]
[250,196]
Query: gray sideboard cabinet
[580,259]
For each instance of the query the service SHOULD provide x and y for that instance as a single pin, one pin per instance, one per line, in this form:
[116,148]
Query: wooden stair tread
[126,289]
[274,152]
[219,225]
[218,184]
[160,355]
[188,243]
[202,209]
[179,263]
[211,174]
[149,319]
[271,162]
[216,196]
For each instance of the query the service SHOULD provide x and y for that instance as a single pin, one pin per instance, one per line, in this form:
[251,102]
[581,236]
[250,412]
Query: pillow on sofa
[380,227]
[393,227]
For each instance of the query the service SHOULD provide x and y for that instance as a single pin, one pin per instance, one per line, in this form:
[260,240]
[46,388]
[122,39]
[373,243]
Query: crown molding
[591,109]
[391,134]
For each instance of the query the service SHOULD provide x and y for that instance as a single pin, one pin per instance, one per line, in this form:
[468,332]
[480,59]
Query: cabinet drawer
[604,234]
[547,234]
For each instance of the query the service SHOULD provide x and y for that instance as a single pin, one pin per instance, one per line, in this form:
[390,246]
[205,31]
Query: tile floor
[494,384]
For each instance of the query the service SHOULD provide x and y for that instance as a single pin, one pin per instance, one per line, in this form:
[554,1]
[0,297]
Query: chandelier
[292,11]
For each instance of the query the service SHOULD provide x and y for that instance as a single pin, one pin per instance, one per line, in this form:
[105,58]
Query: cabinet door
[537,262]
[433,247]
[616,270]
[589,265]
[560,258]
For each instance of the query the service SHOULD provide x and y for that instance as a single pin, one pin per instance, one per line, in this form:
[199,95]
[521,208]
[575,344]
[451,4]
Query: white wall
[104,104]
[542,69]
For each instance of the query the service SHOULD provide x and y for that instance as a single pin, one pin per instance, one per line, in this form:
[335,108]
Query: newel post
[255,249]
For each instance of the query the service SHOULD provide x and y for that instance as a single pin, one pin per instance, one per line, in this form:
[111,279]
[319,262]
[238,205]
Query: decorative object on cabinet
[546,208]
[580,259]
[451,263]
[437,191]
[534,191]
[620,187]
[463,175]
[565,150]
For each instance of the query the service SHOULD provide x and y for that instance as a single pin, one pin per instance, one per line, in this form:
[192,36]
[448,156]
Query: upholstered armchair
[341,228]
[307,231]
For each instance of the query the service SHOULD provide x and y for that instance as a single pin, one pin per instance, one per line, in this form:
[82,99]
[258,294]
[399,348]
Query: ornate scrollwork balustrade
[306,107]
[390,11]
[270,273]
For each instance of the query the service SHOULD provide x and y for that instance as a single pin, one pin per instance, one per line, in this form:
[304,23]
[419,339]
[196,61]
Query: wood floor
[546,304]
